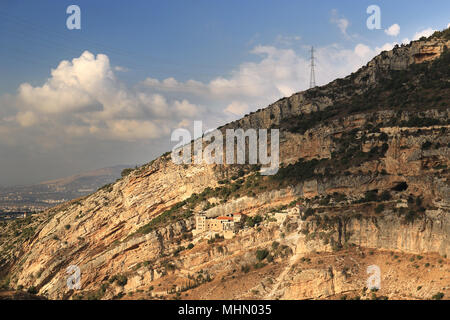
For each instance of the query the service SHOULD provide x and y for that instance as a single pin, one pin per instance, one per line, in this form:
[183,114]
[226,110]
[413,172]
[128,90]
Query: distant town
[20,201]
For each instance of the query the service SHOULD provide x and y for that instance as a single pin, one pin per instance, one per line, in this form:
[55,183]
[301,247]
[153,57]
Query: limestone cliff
[370,173]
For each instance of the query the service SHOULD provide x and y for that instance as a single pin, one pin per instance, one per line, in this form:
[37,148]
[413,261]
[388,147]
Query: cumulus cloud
[424,33]
[342,23]
[393,30]
[278,73]
[386,47]
[133,129]
[26,119]
[83,97]
[237,108]
[72,86]
[362,50]
[186,108]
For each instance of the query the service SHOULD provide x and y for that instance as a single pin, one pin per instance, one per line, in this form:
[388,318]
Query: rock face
[386,232]
[384,188]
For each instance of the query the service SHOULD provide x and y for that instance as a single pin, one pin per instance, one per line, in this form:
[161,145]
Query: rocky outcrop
[101,233]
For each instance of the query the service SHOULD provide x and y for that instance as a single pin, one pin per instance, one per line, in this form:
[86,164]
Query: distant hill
[90,179]
[49,193]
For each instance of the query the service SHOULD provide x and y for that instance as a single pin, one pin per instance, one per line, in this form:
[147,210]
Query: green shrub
[261,254]
[275,245]
[426,145]
[309,212]
[245,268]
[411,216]
[438,296]
[379,209]
[370,196]
[126,172]
[120,279]
[107,187]
[32,290]
[385,196]
[252,221]
[259,265]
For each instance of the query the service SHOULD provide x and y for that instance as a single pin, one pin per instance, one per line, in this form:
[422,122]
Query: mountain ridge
[97,172]
[375,178]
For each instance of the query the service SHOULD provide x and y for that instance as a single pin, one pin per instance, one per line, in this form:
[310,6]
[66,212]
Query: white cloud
[342,23]
[120,69]
[278,73]
[186,108]
[424,33]
[73,85]
[393,30]
[386,47]
[362,50]
[132,129]
[237,108]
[156,104]
[389,46]
[287,40]
[84,98]
[26,119]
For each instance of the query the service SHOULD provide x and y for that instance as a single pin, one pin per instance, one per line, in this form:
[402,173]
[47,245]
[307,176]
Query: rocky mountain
[363,182]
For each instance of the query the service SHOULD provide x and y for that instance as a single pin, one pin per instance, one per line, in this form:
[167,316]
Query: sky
[113,91]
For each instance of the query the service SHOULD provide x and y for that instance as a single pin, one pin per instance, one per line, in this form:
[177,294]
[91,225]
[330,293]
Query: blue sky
[198,39]
[158,65]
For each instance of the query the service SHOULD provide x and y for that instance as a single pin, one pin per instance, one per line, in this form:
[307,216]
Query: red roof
[224,218]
